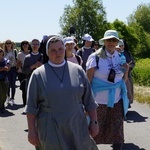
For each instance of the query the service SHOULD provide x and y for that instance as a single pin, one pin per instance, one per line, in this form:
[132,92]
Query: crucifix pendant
[61,85]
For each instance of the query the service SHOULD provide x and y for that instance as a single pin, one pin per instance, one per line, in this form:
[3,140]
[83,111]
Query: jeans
[12,74]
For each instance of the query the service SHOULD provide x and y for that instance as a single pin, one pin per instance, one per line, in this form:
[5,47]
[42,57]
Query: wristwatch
[93,122]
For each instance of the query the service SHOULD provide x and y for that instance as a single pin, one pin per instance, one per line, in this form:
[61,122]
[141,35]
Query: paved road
[13,128]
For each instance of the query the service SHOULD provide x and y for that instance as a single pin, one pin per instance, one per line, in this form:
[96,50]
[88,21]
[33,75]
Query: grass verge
[142,94]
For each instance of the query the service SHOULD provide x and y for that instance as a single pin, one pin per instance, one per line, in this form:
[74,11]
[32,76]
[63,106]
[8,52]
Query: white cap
[121,42]
[87,37]
[69,40]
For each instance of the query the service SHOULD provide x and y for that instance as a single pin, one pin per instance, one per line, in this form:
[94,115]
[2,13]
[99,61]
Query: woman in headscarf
[57,92]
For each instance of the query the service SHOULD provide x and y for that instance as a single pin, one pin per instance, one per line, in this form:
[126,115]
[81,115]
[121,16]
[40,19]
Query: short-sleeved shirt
[105,64]
[74,59]
[21,57]
[29,60]
[84,53]
[12,58]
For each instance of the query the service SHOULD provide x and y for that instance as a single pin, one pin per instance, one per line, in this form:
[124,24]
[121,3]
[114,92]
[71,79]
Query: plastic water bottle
[122,61]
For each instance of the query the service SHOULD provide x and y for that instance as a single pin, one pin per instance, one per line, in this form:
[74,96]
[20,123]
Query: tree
[86,17]
[127,33]
[142,49]
[135,36]
[141,16]
[139,21]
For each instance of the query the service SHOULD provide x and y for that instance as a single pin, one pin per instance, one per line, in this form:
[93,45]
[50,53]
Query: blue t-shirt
[3,63]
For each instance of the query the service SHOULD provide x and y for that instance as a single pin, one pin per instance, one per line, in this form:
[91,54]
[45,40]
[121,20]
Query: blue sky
[28,19]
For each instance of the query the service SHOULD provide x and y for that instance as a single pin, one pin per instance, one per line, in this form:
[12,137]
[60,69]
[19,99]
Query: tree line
[90,17]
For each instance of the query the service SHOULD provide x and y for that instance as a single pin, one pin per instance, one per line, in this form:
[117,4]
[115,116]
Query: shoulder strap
[97,60]
[78,59]
[15,51]
[80,52]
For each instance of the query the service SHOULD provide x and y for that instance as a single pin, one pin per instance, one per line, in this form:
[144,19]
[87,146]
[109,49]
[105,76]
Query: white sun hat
[87,37]
[109,34]
[69,40]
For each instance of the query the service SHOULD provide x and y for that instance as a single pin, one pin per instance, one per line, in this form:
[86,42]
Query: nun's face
[111,44]
[88,43]
[56,52]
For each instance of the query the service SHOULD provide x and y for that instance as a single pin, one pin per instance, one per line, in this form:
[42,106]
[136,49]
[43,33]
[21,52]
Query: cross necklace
[60,79]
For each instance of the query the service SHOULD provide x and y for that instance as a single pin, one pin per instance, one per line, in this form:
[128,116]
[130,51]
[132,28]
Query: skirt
[110,124]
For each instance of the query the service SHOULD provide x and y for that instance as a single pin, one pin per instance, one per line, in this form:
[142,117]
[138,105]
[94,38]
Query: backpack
[78,59]
[81,51]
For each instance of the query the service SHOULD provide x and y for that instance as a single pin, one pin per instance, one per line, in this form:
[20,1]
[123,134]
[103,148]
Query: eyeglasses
[9,43]
[112,40]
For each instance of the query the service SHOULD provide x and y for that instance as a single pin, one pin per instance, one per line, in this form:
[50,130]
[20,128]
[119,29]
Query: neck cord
[60,79]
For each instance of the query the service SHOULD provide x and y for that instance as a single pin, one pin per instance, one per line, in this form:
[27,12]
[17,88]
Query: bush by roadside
[141,72]
[141,78]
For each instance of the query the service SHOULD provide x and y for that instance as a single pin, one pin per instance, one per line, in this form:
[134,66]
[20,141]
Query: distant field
[142,94]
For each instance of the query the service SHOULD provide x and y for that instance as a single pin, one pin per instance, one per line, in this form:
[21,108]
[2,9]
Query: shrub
[141,72]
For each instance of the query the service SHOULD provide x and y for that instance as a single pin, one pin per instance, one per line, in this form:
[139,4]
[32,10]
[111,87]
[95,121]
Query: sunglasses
[112,40]
[8,43]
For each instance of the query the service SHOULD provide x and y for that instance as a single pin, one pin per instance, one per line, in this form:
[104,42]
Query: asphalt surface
[13,128]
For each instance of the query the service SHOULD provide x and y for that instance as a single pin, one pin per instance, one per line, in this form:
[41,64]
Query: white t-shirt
[11,56]
[112,61]
[21,56]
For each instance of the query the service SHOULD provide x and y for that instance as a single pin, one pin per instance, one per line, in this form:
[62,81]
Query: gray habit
[61,121]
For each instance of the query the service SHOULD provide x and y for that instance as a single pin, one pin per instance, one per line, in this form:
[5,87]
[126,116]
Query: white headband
[47,44]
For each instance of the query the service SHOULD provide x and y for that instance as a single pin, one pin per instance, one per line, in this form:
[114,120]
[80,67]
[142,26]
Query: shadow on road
[131,146]
[133,116]
[6,113]
[26,130]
